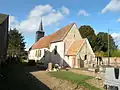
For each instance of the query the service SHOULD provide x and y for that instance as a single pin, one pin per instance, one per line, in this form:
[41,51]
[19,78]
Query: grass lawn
[74,78]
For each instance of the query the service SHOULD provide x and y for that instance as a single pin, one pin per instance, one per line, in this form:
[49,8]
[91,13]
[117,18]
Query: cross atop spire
[41,26]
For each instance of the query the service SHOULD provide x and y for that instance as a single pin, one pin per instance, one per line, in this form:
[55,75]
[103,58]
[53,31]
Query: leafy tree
[16,44]
[116,53]
[88,32]
[102,42]
[99,42]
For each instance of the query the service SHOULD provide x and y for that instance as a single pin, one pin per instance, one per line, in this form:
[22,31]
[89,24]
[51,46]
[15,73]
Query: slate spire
[41,26]
[40,32]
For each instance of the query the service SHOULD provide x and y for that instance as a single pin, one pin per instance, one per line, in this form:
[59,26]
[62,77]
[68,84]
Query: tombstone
[49,66]
[112,78]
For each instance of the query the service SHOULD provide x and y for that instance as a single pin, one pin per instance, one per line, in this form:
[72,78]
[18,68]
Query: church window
[85,57]
[68,57]
[55,50]
[38,53]
[74,35]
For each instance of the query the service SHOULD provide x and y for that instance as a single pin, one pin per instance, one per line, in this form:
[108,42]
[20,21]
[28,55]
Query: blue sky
[25,15]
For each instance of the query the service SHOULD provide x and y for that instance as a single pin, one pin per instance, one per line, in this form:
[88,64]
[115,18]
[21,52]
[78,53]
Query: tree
[88,32]
[102,42]
[98,42]
[16,44]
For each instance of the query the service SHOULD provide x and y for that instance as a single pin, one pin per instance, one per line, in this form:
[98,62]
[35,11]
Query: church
[65,47]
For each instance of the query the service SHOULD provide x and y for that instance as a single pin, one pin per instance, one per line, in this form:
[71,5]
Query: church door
[81,63]
[73,61]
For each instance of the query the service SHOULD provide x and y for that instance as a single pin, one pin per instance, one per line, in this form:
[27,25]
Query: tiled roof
[44,42]
[75,47]
[62,32]
[2,17]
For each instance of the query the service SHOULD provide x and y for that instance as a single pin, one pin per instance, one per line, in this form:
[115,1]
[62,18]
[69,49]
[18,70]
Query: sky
[25,15]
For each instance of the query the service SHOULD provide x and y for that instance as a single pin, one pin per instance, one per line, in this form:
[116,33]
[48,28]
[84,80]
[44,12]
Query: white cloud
[47,12]
[116,37]
[113,5]
[65,10]
[118,20]
[40,10]
[13,22]
[83,12]
[12,19]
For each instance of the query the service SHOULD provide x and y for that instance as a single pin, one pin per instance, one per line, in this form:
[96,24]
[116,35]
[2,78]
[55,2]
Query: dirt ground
[22,77]
[96,83]
[55,84]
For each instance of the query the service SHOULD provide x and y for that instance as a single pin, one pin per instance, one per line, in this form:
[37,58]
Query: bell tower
[40,33]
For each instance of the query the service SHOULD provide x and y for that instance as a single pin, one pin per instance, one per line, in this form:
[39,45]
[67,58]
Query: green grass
[74,78]
[113,53]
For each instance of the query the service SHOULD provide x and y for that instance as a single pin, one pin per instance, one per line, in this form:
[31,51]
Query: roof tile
[76,45]
[44,42]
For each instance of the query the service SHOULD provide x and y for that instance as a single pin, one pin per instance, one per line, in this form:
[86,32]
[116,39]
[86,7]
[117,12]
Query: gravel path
[55,84]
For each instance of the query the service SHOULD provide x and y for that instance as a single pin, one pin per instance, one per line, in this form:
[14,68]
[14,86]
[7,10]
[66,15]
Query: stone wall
[85,52]
[72,35]
[114,61]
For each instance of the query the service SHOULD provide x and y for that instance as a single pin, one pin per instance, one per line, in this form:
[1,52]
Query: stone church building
[65,47]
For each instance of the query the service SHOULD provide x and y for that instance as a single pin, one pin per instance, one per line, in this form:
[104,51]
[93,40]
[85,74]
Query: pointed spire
[41,25]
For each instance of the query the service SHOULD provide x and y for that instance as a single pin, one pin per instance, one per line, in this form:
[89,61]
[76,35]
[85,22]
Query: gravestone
[49,66]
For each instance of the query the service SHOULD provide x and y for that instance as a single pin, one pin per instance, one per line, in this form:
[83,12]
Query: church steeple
[41,26]
[40,33]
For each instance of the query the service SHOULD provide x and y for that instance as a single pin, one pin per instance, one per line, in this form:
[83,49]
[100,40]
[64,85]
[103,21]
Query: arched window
[39,53]
[55,50]
[74,35]
[85,58]
[36,53]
